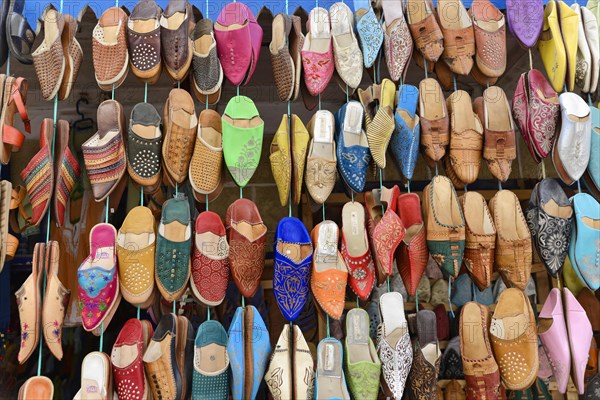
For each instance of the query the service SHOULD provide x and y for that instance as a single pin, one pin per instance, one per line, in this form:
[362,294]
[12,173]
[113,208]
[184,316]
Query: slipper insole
[553,209]
[462,109]
[319,31]
[243,123]
[357,337]
[94,374]
[38,390]
[442,196]
[431,102]
[51,32]
[497,113]
[210,135]
[326,252]
[453,14]
[208,243]
[392,10]
[353,225]
[473,332]
[212,358]
[353,124]
[512,226]
[174,21]
[124,355]
[329,370]
[391,307]
[510,318]
[417,10]
[146,131]
[295,252]
[176,231]
[144,25]
[341,26]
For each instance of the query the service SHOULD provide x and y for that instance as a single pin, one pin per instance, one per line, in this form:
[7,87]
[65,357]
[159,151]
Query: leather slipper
[55,301]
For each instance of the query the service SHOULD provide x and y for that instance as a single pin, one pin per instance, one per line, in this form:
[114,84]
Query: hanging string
[101,337]
[474,292]
[176,188]
[590,100]
[487,83]
[425,65]
[241,192]
[578,185]
[319,101]
[357,302]
[543,169]
[499,185]
[178,84]
[381,189]
[243,302]
[352,194]
[138,312]
[388,284]
[347,97]
[289,120]
[175,307]
[146,92]
[328,330]
[417,300]
[206,203]
[530,60]
[436,169]
[106,210]
[141,195]
[208,313]
[408,185]
[323,211]
[206,104]
[454,80]
[449,293]
[238,90]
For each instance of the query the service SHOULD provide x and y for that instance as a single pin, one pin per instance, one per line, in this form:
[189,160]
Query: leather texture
[536,112]
[445,231]
[513,241]
[247,237]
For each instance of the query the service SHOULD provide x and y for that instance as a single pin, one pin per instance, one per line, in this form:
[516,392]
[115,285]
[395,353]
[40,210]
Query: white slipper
[571,152]
[591,29]
[96,378]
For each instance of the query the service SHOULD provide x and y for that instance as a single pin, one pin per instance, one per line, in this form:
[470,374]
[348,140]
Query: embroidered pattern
[396,362]
[290,284]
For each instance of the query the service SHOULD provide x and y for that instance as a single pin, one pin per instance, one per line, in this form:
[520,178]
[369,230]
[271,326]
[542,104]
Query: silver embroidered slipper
[393,344]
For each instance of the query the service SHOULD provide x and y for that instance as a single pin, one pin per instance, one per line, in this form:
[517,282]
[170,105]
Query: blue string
[8,64]
[449,293]
[146,92]
[106,211]
[141,196]
[241,192]
[417,300]
[323,211]
[328,330]
[206,204]
[454,79]
[101,336]
[381,188]
[425,66]
[208,313]
[243,302]
[175,307]
[138,312]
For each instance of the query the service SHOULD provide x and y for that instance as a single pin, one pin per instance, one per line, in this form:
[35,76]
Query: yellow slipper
[379,131]
[281,160]
[552,48]
[569,27]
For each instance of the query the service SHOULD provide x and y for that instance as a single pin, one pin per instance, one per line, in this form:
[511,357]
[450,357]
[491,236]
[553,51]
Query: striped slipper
[38,175]
[66,171]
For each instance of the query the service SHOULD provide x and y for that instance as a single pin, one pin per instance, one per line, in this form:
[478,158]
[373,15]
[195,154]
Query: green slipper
[210,379]
[363,366]
[242,138]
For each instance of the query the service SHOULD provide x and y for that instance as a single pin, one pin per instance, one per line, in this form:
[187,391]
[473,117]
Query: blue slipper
[583,249]
[249,348]
[210,379]
[405,140]
[352,147]
[291,269]
[370,32]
